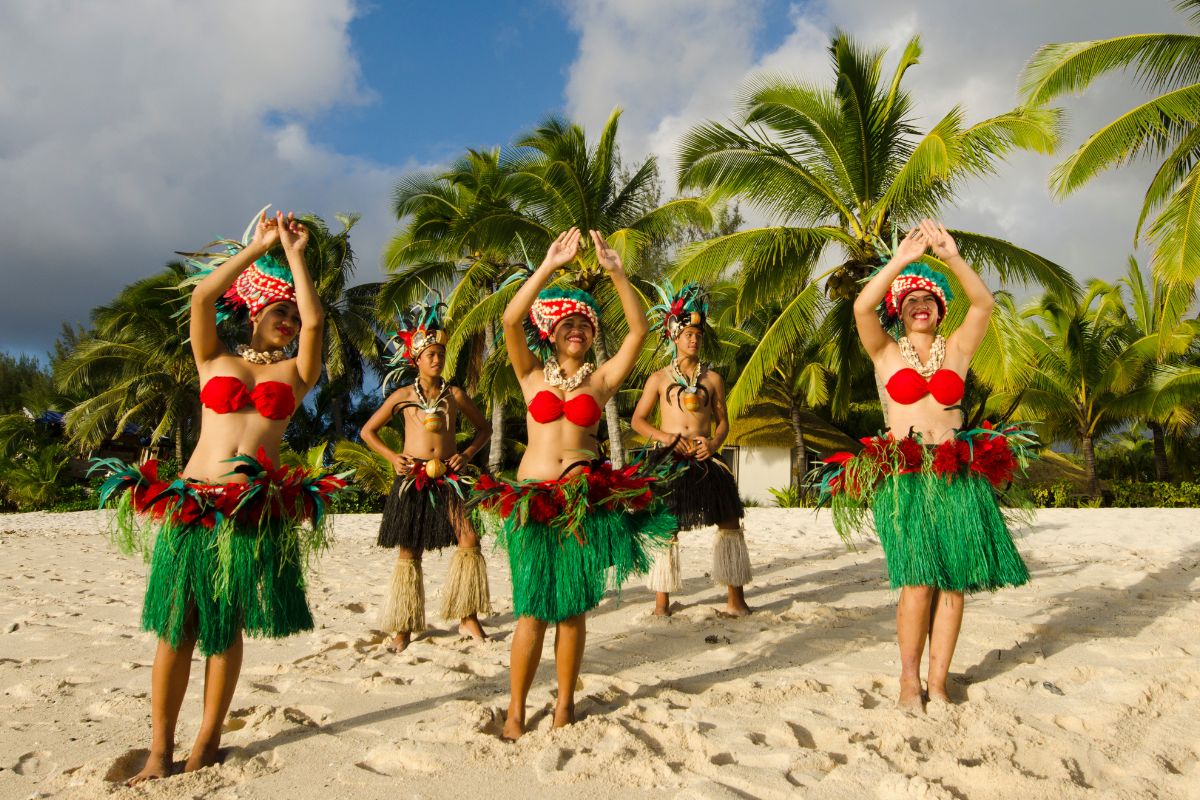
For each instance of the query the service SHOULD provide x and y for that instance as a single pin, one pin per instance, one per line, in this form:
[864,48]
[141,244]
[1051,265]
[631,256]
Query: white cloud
[973,55]
[130,130]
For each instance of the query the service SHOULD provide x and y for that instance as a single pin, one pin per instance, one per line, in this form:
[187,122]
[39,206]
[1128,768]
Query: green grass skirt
[263,593]
[555,576]
[949,534]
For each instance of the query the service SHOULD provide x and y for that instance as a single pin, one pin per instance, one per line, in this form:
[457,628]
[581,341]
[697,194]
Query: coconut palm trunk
[1089,465]
[1162,470]
[179,443]
[496,446]
[800,460]
[616,451]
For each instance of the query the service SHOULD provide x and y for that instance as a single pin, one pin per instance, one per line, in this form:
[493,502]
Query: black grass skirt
[420,519]
[704,493]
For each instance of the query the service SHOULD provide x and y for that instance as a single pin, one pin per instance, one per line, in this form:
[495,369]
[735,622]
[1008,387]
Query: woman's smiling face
[573,336]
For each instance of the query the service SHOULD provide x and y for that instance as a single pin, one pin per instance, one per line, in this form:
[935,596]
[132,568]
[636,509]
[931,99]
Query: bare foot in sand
[514,726]
[937,694]
[736,605]
[564,716]
[204,754]
[158,765]
[398,643]
[662,604]
[471,627]
[911,698]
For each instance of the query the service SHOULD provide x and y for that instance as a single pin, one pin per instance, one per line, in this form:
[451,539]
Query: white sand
[1084,684]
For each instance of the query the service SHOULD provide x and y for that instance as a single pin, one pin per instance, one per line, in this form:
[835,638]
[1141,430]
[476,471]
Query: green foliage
[1120,494]
[838,166]
[24,383]
[32,480]
[1166,127]
[790,497]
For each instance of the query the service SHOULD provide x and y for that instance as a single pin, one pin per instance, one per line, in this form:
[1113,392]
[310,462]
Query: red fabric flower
[993,459]
[912,455]
[950,456]
[543,507]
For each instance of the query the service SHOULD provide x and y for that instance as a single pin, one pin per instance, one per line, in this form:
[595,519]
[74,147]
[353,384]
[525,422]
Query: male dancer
[691,402]
[426,507]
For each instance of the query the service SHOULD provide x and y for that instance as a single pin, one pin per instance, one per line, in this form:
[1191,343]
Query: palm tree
[843,167]
[135,367]
[351,331]
[458,240]
[1155,317]
[1166,126]
[1084,363]
[564,181]
[560,180]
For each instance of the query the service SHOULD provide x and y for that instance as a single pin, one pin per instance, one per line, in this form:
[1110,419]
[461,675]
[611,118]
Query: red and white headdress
[915,277]
[554,305]
[266,281]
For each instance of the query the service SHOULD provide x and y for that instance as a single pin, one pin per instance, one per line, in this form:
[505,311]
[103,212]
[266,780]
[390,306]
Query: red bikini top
[581,410]
[907,386]
[225,394]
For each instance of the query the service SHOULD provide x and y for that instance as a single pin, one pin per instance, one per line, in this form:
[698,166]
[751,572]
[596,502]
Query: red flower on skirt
[950,456]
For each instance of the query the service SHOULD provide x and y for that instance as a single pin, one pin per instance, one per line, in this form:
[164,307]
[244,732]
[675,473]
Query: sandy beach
[1085,683]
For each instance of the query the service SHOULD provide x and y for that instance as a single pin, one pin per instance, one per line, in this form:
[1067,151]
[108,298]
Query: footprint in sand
[126,766]
[35,763]
[401,759]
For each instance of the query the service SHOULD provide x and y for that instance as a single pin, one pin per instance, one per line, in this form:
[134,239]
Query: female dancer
[930,485]
[568,519]
[230,549]
[426,506]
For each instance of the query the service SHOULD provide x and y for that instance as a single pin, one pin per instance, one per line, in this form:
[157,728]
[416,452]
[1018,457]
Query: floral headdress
[678,310]
[915,277]
[264,282]
[551,307]
[417,329]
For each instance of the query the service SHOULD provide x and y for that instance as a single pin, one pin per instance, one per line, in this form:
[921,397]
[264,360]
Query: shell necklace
[937,355]
[554,375]
[691,387]
[260,356]
[433,421]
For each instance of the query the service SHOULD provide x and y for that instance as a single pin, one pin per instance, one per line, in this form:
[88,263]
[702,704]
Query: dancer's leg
[912,628]
[570,635]
[466,586]
[523,664]
[168,685]
[404,611]
[731,565]
[221,673]
[946,613]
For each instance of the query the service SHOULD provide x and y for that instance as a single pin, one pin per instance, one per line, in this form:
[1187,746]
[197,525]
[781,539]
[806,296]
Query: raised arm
[202,328]
[560,253]
[481,424]
[294,237]
[614,371]
[370,433]
[966,337]
[870,330]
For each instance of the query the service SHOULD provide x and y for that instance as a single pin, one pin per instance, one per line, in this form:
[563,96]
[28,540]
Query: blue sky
[129,131]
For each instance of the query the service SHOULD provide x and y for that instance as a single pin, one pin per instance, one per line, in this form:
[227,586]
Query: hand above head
[911,247]
[563,250]
[609,258]
[292,234]
[943,244]
[266,233]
